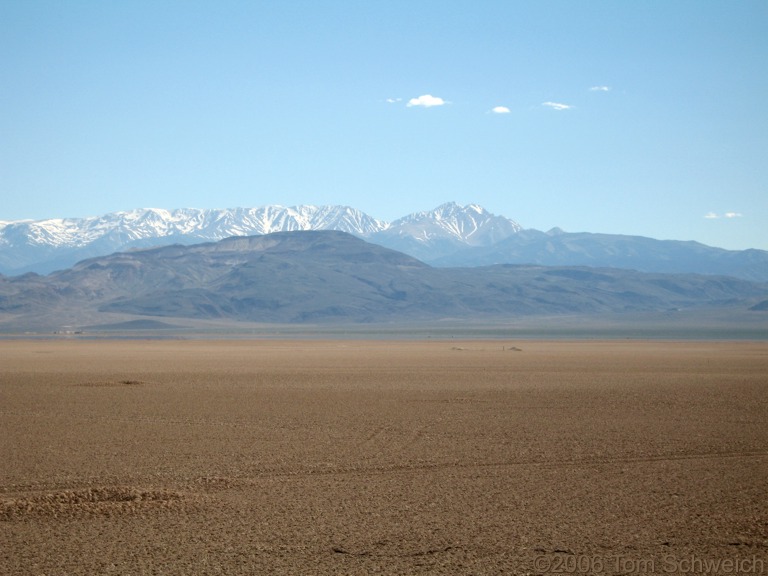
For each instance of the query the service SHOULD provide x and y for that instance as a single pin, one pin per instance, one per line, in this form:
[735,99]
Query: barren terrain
[392,457]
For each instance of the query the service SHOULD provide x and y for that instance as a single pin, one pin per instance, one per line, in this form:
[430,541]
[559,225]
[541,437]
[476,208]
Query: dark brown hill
[328,276]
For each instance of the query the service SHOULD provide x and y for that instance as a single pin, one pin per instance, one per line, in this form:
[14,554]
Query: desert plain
[383,457]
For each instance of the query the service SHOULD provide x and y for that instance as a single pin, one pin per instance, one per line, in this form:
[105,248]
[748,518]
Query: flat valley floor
[383,457]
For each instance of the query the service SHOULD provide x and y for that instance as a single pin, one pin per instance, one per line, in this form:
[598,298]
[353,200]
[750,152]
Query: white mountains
[450,235]
[45,245]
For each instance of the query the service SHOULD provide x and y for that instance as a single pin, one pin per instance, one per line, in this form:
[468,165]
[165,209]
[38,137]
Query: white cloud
[600,89]
[714,216]
[500,110]
[557,105]
[733,215]
[393,100]
[711,216]
[426,100]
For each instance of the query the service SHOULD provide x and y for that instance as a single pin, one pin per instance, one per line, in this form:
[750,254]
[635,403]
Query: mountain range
[334,277]
[448,236]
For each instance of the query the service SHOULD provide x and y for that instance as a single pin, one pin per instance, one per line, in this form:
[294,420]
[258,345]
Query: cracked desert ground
[390,457]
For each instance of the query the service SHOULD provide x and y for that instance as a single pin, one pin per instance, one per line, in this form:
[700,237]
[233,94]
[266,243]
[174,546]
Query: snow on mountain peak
[469,224]
[143,227]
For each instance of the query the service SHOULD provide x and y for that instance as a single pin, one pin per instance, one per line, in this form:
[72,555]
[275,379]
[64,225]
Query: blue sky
[633,117]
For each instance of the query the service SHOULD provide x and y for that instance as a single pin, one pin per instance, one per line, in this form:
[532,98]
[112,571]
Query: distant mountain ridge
[44,245]
[335,277]
[449,235]
[558,248]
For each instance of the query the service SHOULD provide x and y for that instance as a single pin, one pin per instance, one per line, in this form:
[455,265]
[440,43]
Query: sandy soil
[363,457]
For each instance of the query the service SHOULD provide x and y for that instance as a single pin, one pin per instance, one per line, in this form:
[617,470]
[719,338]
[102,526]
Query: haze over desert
[391,457]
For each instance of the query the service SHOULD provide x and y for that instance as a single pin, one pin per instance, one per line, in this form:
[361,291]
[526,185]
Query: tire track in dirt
[581,462]
[249,478]
[135,419]
[192,486]
[218,483]
[388,439]
[403,554]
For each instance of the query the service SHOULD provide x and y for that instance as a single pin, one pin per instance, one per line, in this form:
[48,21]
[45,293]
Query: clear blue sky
[637,117]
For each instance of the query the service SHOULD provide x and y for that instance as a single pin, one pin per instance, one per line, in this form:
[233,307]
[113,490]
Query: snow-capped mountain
[471,224]
[446,229]
[450,235]
[45,245]
[154,223]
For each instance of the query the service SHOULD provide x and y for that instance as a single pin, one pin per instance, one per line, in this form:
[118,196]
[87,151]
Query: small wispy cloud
[500,110]
[426,100]
[711,216]
[600,89]
[715,215]
[557,105]
[393,100]
[733,215]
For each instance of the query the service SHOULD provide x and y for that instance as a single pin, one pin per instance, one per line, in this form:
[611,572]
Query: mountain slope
[43,246]
[47,245]
[557,248]
[448,236]
[328,276]
[444,231]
